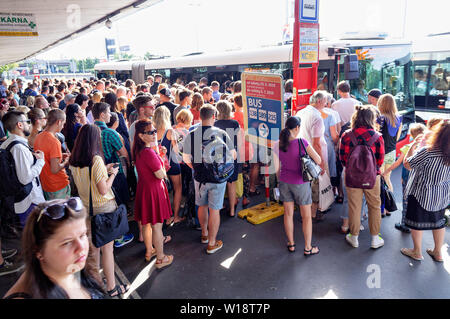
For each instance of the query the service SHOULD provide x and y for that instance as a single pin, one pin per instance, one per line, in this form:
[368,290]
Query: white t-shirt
[312,127]
[345,107]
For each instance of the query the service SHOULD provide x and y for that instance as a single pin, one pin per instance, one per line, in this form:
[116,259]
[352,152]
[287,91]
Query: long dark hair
[71,120]
[138,144]
[111,99]
[34,237]
[81,98]
[87,145]
[291,123]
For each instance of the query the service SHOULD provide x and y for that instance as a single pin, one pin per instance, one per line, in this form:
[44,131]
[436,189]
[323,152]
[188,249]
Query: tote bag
[326,196]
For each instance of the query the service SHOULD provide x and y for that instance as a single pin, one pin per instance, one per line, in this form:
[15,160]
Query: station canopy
[56,21]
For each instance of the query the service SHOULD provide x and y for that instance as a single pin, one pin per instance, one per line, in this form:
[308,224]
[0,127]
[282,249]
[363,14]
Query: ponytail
[291,123]
[284,139]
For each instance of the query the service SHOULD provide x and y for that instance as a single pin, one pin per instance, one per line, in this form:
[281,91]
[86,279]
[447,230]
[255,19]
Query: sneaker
[352,240]
[122,241]
[204,239]
[377,242]
[361,227]
[8,253]
[216,247]
[402,228]
[10,268]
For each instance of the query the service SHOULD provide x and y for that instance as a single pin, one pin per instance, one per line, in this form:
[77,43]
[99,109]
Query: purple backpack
[361,168]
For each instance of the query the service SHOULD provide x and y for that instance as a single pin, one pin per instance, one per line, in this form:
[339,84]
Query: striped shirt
[429,180]
[82,180]
[111,144]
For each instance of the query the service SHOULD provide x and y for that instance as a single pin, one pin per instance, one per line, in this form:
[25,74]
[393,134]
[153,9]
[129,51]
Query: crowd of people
[170,153]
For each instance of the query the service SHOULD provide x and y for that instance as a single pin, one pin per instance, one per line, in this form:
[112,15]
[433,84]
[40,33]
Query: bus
[431,60]
[384,64]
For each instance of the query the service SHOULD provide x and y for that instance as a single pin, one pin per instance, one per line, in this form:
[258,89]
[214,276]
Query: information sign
[263,107]
[17,24]
[309,43]
[309,11]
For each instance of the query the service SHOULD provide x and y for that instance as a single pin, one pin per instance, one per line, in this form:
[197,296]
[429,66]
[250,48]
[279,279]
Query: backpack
[361,168]
[10,185]
[217,163]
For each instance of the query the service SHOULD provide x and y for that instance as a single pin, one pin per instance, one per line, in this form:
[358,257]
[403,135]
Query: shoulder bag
[310,170]
[106,227]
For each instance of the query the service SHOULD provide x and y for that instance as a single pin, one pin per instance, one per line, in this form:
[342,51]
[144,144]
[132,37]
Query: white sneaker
[361,228]
[352,240]
[377,242]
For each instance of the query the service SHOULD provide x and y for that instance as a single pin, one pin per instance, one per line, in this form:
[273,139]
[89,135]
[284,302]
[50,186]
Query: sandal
[339,200]
[167,239]
[147,258]
[160,263]
[170,221]
[291,248]
[410,254]
[344,230]
[432,255]
[310,252]
[119,290]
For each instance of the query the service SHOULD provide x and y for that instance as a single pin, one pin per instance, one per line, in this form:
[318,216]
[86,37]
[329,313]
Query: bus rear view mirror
[351,67]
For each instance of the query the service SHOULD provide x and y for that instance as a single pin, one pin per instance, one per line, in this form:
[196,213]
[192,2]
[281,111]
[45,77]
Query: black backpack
[217,163]
[10,185]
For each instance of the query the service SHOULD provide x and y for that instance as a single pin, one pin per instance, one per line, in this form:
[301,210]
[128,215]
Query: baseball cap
[68,97]
[166,92]
[375,93]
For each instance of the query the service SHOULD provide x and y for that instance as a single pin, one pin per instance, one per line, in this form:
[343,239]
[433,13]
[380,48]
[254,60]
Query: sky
[177,27]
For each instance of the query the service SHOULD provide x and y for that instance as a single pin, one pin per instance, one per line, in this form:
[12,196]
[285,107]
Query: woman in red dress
[152,203]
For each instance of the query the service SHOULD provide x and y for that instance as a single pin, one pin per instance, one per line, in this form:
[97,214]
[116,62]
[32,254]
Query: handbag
[388,196]
[310,170]
[106,227]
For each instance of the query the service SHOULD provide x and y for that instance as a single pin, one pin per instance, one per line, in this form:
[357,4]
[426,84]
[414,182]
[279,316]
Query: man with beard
[28,167]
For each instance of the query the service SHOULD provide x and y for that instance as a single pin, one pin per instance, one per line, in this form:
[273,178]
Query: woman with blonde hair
[30,101]
[168,139]
[390,123]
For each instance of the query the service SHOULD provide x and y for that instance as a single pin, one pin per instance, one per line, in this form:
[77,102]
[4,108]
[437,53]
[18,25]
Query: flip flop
[409,253]
[430,252]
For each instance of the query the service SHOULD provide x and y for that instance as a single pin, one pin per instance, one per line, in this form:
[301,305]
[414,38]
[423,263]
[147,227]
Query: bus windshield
[387,68]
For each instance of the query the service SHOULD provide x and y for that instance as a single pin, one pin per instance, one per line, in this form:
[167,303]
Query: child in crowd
[415,130]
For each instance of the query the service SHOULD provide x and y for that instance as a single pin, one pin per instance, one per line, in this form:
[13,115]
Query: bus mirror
[351,67]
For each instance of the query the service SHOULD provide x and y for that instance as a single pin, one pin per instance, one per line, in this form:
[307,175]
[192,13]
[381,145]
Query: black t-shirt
[171,106]
[193,146]
[231,127]
[154,88]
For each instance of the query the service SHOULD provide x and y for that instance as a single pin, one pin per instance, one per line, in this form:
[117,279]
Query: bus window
[439,80]
[322,80]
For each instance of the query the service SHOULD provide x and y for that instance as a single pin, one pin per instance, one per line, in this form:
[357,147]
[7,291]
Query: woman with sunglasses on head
[58,263]
[152,203]
[38,122]
[87,152]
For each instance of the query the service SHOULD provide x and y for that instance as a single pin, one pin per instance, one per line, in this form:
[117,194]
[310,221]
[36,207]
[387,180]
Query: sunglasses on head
[57,211]
[153,132]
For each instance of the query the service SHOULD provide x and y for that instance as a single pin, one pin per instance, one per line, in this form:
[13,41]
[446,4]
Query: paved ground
[262,267]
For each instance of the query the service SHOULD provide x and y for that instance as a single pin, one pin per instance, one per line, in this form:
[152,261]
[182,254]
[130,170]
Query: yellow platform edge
[261,213]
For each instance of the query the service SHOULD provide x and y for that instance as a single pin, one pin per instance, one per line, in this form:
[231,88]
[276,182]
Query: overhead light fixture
[108,23]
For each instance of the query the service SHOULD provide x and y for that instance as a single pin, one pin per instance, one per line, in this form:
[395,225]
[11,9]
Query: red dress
[152,203]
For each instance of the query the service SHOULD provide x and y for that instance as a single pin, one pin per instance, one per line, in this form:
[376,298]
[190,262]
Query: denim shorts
[298,193]
[210,194]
